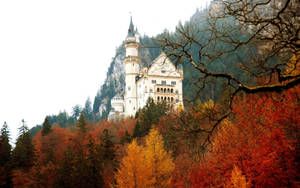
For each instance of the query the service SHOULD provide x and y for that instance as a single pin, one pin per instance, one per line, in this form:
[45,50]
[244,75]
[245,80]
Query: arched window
[157,89]
[165,98]
[172,99]
[168,90]
[171,90]
[168,99]
[165,90]
[158,98]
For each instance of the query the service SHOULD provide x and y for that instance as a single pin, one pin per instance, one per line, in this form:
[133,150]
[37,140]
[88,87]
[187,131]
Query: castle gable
[162,66]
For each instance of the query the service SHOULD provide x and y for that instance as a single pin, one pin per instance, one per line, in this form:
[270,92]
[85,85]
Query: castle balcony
[165,93]
[164,89]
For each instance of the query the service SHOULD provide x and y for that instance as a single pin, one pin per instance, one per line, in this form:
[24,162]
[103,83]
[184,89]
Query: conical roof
[131,31]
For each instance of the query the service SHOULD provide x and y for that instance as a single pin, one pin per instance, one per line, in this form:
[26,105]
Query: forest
[239,126]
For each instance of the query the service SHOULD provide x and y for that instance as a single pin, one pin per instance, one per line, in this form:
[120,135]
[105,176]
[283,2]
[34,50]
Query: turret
[132,69]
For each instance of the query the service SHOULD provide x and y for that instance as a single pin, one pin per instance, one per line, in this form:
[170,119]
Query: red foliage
[56,141]
[260,140]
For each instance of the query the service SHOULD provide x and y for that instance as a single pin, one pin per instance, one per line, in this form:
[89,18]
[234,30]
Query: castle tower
[132,69]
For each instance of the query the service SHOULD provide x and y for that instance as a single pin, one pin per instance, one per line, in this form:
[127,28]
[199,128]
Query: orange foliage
[57,141]
[149,166]
[133,171]
[260,141]
[238,180]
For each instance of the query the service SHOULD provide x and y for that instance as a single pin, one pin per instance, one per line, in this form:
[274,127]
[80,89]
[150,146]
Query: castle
[162,81]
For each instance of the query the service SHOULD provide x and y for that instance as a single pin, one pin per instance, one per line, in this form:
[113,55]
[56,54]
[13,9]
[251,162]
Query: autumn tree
[133,171]
[237,180]
[149,166]
[241,46]
[261,140]
[158,160]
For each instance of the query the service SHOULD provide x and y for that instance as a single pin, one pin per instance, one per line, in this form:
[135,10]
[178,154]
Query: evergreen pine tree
[126,138]
[46,127]
[5,147]
[95,166]
[81,124]
[23,153]
[147,116]
[76,111]
[87,110]
[5,155]
[107,146]
[65,171]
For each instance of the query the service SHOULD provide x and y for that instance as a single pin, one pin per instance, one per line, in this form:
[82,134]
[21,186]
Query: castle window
[153,81]
[163,82]
[173,83]
[163,71]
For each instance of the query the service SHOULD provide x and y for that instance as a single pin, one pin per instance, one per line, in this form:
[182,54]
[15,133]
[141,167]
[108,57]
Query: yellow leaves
[205,107]
[158,160]
[180,108]
[149,166]
[133,170]
[293,67]
[238,180]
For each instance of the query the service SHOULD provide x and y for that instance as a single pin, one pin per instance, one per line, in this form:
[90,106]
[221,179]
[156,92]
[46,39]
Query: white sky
[54,54]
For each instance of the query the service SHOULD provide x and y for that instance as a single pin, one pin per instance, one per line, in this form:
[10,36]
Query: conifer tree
[107,146]
[46,127]
[5,147]
[126,138]
[81,124]
[64,173]
[23,153]
[87,110]
[147,116]
[76,111]
[95,167]
[5,155]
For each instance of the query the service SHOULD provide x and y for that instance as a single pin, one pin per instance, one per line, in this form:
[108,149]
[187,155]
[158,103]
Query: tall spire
[131,31]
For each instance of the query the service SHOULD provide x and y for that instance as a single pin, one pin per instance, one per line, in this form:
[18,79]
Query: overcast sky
[54,54]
